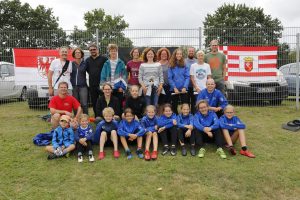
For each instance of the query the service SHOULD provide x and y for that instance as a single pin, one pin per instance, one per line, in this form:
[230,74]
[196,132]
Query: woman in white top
[151,77]
[200,72]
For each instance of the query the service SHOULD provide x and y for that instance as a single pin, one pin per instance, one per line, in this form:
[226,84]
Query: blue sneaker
[139,153]
[128,154]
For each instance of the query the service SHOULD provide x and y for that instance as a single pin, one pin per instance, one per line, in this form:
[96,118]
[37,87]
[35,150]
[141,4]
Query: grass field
[274,174]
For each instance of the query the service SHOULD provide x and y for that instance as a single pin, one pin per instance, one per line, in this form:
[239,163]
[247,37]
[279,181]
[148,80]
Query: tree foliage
[237,24]
[26,27]
[110,30]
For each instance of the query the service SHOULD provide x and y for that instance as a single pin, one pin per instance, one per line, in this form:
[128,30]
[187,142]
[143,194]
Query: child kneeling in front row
[130,129]
[107,128]
[233,129]
[62,139]
[149,123]
[83,136]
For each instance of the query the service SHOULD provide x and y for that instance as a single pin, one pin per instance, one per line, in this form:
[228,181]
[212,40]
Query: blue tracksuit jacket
[149,124]
[231,124]
[214,99]
[133,127]
[210,120]
[179,77]
[62,137]
[184,120]
[104,126]
[166,122]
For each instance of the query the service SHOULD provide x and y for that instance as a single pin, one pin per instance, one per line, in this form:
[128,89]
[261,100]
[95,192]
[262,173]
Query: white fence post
[97,38]
[298,70]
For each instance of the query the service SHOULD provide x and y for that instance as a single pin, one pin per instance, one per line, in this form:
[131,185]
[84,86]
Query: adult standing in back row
[217,63]
[94,65]
[56,73]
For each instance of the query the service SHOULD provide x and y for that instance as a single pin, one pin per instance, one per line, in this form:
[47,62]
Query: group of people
[126,101]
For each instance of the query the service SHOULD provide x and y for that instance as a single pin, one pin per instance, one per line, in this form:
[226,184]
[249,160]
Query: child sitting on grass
[83,137]
[62,139]
[167,127]
[107,128]
[185,129]
[233,128]
[149,123]
[130,129]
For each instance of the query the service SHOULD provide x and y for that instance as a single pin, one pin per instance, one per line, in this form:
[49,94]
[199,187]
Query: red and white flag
[32,65]
[250,63]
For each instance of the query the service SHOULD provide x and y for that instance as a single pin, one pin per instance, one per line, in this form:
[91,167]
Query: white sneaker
[91,158]
[80,159]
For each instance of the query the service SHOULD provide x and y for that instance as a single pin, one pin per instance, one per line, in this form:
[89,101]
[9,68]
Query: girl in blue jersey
[149,123]
[167,126]
[185,129]
[130,129]
[207,129]
[233,128]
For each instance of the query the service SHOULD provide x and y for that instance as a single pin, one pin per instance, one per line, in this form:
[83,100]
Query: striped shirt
[151,72]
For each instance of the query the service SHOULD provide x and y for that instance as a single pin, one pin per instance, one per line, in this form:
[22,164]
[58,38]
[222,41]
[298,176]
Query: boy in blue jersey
[83,136]
[233,128]
[107,128]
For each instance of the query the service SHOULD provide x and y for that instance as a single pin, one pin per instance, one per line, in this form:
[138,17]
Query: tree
[110,30]
[23,26]
[238,24]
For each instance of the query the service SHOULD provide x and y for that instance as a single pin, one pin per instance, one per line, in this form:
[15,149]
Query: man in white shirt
[55,70]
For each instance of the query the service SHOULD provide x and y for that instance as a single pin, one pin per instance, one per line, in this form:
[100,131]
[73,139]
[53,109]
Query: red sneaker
[154,155]
[147,155]
[247,153]
[116,154]
[101,155]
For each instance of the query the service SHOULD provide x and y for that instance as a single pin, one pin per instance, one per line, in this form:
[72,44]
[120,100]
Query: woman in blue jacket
[179,79]
[114,71]
[167,125]
[130,129]
[233,128]
[206,125]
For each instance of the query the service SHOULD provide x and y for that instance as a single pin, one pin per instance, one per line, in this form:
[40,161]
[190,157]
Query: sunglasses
[93,49]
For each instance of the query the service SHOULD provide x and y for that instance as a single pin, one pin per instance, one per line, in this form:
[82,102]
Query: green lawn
[274,174]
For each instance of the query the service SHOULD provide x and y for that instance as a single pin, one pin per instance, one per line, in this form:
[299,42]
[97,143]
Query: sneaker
[221,153]
[232,151]
[154,155]
[183,151]
[201,153]
[165,150]
[147,155]
[139,153]
[193,151]
[247,153]
[116,154]
[52,156]
[80,159]
[91,158]
[101,155]
[173,151]
[129,155]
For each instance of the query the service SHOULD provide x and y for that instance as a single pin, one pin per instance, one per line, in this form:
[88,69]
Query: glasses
[93,49]
[107,89]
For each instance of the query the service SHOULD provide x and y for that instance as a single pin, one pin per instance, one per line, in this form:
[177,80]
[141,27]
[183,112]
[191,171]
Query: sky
[162,13]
